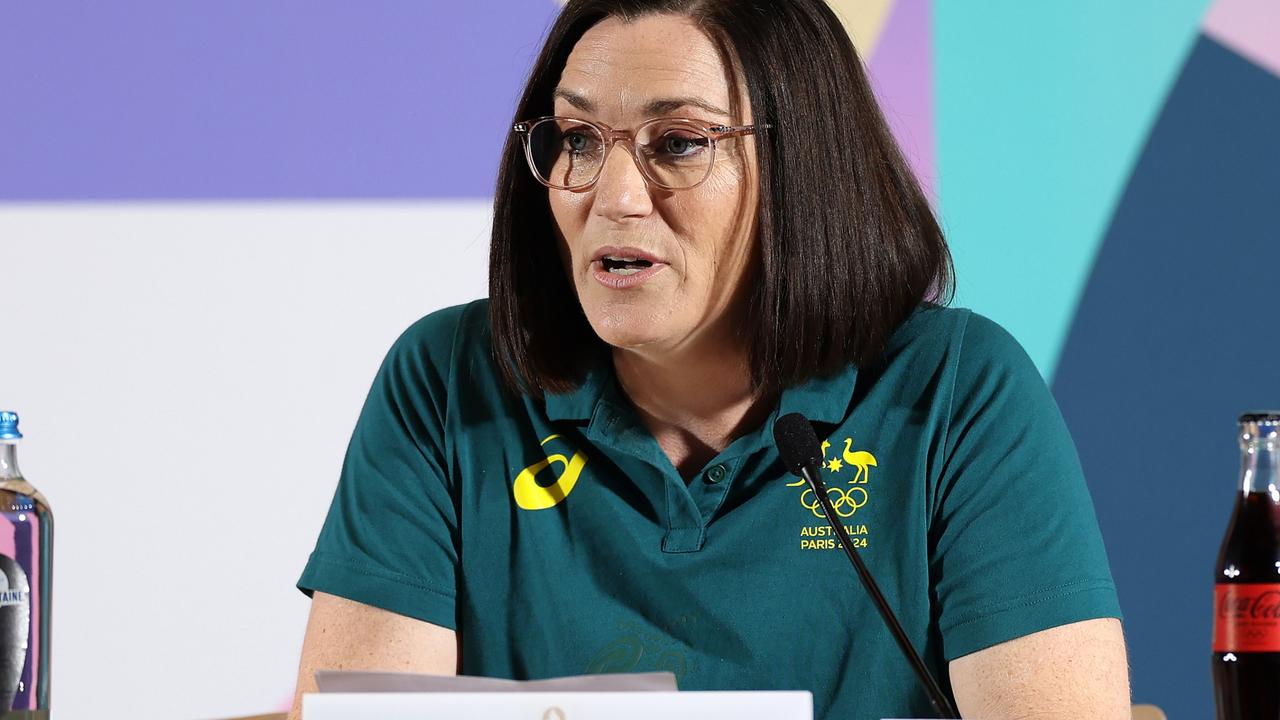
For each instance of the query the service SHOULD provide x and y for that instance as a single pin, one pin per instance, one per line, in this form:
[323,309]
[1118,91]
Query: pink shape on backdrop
[902,75]
[7,545]
[1249,27]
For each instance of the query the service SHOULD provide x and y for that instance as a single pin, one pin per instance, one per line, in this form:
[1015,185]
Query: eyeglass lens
[569,154]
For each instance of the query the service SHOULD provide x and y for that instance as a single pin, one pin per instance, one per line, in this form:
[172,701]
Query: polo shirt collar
[580,403]
[823,399]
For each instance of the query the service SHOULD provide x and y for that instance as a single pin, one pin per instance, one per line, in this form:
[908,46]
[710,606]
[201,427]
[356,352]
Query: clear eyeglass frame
[711,131]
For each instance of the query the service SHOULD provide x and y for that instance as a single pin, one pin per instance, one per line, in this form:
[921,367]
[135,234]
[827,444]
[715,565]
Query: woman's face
[699,240]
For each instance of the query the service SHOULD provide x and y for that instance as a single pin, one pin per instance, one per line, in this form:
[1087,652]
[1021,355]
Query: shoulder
[970,366]
[436,338]
[990,390]
[445,328]
[960,328]
[427,354]
[962,339]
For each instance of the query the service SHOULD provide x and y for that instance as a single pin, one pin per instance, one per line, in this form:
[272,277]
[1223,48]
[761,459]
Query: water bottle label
[15,625]
[1246,617]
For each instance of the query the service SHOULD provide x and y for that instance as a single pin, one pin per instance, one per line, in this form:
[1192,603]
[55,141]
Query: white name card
[771,705]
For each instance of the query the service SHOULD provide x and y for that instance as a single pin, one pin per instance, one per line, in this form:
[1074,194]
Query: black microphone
[801,452]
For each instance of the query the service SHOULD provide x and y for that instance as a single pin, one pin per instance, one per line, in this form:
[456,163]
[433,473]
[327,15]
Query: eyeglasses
[672,153]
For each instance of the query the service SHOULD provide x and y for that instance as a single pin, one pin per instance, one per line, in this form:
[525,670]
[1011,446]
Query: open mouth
[617,265]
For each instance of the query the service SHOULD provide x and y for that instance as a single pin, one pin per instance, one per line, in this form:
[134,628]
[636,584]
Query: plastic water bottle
[26,565]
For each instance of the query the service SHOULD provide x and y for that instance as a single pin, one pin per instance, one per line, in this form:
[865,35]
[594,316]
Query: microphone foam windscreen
[796,441]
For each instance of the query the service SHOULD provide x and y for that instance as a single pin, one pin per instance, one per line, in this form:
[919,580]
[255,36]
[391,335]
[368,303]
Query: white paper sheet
[343,681]
[559,706]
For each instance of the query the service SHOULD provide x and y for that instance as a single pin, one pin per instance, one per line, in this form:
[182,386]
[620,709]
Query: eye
[579,142]
[679,145]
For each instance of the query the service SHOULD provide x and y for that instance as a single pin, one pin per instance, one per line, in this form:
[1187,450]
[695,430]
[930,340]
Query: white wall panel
[188,377]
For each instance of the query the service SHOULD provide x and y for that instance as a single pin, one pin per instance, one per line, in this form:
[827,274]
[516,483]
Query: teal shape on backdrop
[1042,110]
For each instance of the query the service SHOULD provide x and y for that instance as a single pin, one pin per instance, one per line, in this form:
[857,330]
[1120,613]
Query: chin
[628,327]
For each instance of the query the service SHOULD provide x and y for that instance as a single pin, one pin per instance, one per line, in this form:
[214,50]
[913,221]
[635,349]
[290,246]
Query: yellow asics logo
[845,501]
[531,495]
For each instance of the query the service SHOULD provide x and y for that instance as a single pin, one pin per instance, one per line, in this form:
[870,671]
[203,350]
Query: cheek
[568,215]
[716,213]
[562,213]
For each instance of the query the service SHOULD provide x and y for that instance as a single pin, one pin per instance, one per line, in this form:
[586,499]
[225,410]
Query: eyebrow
[660,106]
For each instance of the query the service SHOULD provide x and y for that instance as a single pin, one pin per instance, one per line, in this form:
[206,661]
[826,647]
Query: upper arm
[1028,610]
[347,635]
[390,538]
[383,574]
[1015,546]
[1071,671]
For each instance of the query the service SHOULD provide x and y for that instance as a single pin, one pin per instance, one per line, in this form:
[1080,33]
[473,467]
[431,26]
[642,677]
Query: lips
[621,268]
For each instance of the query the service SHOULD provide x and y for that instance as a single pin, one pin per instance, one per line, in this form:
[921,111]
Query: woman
[702,223]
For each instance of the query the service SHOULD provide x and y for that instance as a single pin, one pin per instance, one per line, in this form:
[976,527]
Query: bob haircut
[846,243]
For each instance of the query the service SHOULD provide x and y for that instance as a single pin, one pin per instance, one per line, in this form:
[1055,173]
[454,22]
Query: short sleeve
[1015,542]
[390,539]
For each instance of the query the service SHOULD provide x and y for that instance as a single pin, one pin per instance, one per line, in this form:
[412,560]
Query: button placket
[713,486]
[715,473]
[612,428]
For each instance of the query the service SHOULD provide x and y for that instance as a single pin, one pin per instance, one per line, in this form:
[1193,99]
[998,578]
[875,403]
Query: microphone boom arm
[941,703]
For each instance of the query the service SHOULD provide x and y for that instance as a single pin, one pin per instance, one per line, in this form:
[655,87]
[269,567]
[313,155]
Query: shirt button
[716,474]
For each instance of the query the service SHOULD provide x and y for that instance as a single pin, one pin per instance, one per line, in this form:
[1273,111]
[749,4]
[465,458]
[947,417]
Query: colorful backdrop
[214,218]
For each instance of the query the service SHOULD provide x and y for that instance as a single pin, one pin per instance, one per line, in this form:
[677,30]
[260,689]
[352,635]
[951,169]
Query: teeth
[624,265]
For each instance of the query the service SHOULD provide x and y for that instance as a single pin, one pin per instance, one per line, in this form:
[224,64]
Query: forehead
[620,67]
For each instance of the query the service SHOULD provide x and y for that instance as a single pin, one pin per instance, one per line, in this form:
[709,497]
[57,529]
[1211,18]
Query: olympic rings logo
[843,501]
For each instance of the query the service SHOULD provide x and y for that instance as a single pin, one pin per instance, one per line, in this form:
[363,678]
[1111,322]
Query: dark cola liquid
[1247,613]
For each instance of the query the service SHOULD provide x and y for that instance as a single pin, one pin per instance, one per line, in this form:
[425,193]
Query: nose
[621,192]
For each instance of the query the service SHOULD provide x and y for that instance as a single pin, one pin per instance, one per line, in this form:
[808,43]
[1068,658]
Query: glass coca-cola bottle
[1246,620]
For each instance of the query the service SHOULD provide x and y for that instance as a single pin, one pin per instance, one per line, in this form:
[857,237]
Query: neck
[9,461]
[694,401]
[1260,470]
[690,385]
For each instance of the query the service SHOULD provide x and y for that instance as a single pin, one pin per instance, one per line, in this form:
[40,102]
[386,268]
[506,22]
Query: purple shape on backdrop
[902,74]
[157,99]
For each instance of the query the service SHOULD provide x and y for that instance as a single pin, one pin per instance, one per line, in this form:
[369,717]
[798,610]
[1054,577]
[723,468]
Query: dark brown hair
[847,243]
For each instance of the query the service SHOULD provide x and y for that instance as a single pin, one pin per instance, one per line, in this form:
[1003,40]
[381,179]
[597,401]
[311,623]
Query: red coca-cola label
[1246,617]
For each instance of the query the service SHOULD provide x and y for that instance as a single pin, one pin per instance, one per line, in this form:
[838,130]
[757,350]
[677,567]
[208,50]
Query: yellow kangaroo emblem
[530,495]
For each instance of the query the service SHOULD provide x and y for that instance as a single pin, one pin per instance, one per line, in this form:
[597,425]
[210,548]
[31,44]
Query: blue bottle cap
[9,426]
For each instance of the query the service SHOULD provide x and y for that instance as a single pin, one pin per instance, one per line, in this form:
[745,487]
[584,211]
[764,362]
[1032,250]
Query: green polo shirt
[558,539]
